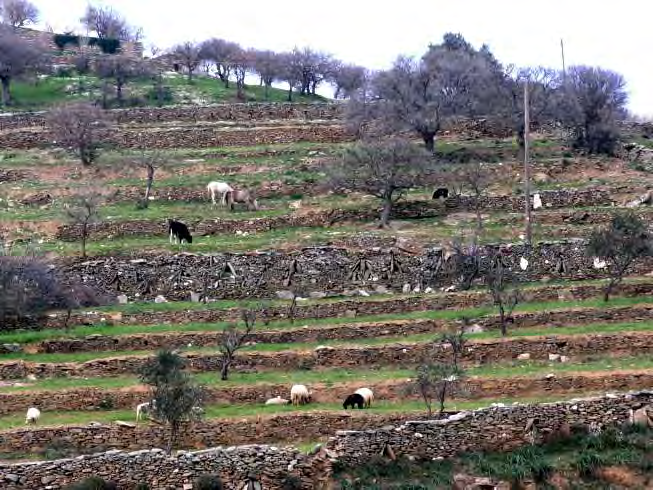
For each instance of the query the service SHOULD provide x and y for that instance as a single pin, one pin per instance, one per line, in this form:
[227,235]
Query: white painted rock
[524,357]
[537,201]
[599,264]
[554,357]
[122,299]
[160,299]
[406,288]
[523,263]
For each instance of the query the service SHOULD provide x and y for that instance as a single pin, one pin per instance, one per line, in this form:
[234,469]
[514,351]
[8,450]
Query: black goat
[353,400]
[442,192]
[179,232]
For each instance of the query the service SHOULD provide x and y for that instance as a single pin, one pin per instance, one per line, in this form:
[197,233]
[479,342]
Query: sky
[372,33]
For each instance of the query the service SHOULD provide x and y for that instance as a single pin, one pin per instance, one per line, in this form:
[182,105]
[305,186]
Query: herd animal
[33,415]
[178,232]
[301,395]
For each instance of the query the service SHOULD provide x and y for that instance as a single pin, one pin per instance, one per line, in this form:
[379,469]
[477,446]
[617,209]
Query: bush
[208,482]
[142,486]
[588,463]
[59,449]
[291,482]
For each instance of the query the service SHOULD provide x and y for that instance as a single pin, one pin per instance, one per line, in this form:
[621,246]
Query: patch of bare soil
[623,477]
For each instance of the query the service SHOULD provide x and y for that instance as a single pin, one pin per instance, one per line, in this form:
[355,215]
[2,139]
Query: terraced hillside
[349,329]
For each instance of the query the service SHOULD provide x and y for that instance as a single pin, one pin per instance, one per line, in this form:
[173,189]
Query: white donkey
[220,188]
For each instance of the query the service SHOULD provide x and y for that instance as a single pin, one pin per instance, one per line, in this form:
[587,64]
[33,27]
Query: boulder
[554,357]
[317,294]
[122,299]
[289,295]
[524,357]
[160,299]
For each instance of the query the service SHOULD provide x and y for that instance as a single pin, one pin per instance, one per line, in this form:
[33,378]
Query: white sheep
[277,401]
[367,394]
[299,395]
[33,415]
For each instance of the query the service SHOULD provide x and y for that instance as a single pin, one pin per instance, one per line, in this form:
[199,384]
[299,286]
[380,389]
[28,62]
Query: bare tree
[452,79]
[83,211]
[291,71]
[18,13]
[504,288]
[233,339]
[176,399]
[150,161]
[267,64]
[593,101]
[77,127]
[107,23]
[242,62]
[435,381]
[17,58]
[188,55]
[120,70]
[621,243]
[543,88]
[465,262]
[221,53]
[383,169]
[348,79]
[476,177]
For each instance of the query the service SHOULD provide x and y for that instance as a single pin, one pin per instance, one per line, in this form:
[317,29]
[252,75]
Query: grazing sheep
[367,394]
[277,401]
[353,400]
[33,415]
[299,395]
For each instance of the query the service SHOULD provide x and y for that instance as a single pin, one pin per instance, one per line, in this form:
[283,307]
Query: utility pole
[527,166]
[564,69]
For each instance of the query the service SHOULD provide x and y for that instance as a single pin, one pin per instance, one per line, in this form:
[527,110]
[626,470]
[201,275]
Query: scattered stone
[160,299]
[524,357]
[195,297]
[122,299]
[350,292]
[476,328]
[554,357]
[317,294]
[363,293]
[564,359]
[550,376]
[324,347]
[428,290]
[8,348]
[350,313]
[380,289]
[289,295]
[417,289]
[406,288]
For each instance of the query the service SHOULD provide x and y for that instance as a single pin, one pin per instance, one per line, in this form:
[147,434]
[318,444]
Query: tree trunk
[479,217]
[429,141]
[174,429]
[224,371]
[289,92]
[387,209]
[119,93]
[6,96]
[336,94]
[267,92]
[502,319]
[148,186]
[84,236]
[190,74]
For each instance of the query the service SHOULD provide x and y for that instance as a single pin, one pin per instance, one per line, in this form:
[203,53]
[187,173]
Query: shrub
[588,463]
[208,482]
[291,482]
[59,449]
[93,483]
[63,40]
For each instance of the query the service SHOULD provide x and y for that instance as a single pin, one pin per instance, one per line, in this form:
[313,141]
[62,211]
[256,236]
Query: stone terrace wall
[492,429]
[208,113]
[396,354]
[313,270]
[271,465]
[189,136]
[351,331]
[405,210]
[344,308]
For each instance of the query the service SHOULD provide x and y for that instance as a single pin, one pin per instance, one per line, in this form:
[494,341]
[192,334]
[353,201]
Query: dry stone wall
[492,429]
[315,270]
[189,136]
[400,354]
[344,331]
[343,308]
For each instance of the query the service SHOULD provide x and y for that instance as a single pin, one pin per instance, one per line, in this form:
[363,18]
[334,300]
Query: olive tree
[17,58]
[188,55]
[592,102]
[221,53]
[504,288]
[176,399]
[78,127]
[347,79]
[83,211]
[18,13]
[624,241]
[383,169]
[107,23]
[118,69]
[451,80]
[267,64]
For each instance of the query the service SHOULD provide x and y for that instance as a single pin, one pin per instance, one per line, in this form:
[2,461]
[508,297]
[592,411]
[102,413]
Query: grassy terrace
[26,337]
[333,376]
[405,408]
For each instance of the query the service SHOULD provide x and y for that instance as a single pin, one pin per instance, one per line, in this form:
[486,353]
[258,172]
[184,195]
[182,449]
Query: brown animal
[243,196]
